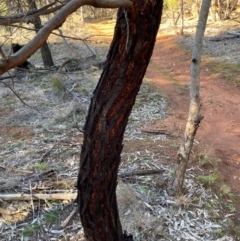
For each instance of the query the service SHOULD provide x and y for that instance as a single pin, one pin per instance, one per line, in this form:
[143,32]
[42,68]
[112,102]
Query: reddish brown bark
[111,105]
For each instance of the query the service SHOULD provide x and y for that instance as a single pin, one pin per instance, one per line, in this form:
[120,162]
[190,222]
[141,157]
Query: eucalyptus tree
[129,55]
[194,117]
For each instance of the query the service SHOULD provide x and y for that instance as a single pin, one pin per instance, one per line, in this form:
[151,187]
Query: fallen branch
[64,196]
[66,221]
[157,132]
[53,196]
[139,173]
[11,169]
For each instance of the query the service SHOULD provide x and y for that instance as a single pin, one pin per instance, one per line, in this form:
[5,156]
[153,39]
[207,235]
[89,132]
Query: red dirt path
[219,131]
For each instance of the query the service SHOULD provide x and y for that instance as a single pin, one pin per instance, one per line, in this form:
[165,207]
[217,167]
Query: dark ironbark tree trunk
[111,105]
[45,51]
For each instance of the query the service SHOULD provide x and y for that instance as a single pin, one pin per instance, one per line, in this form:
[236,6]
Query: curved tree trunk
[193,116]
[111,105]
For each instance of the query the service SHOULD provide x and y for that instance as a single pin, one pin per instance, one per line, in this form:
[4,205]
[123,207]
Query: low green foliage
[219,233]
[226,191]
[231,207]
[29,231]
[207,205]
[42,165]
[58,86]
[51,217]
[228,71]
[208,180]
[204,158]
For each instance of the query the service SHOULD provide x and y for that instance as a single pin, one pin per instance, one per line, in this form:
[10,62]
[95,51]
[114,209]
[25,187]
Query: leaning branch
[54,23]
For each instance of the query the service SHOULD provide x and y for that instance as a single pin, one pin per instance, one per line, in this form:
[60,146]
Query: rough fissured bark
[111,105]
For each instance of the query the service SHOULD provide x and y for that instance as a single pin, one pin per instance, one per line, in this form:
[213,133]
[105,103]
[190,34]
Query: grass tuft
[208,180]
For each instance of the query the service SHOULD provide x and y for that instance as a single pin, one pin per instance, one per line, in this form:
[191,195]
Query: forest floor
[40,146]
[219,133]
[216,146]
[217,140]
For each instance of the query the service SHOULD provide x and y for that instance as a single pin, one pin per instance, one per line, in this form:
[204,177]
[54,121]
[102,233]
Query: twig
[63,38]
[157,132]
[139,173]
[32,204]
[60,35]
[66,221]
[15,170]
[47,153]
[7,77]
[36,177]
[17,95]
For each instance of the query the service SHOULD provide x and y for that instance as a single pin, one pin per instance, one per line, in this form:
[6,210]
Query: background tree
[182,16]
[45,51]
[194,118]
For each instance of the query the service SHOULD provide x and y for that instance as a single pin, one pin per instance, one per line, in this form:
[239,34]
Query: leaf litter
[39,154]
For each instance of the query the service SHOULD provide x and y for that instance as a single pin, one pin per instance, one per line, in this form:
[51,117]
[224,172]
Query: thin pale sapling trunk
[194,118]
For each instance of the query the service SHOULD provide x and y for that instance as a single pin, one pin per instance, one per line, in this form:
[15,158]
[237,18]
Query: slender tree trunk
[182,16]
[194,118]
[213,11]
[111,105]
[220,8]
[45,51]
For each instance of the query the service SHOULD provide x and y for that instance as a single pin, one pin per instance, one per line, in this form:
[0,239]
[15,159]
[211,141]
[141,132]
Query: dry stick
[16,94]
[53,196]
[157,132]
[36,177]
[139,173]
[67,196]
[66,221]
[60,35]
[63,38]
[32,204]
[7,77]
[15,170]
[47,153]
